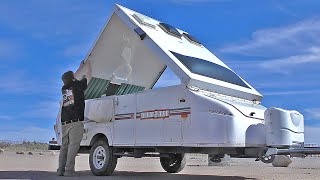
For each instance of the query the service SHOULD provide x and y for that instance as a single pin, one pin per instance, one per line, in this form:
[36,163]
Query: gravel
[44,167]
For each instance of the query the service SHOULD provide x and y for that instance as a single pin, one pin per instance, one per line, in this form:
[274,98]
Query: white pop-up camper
[213,111]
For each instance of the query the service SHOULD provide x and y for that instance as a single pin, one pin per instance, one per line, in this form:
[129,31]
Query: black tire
[266,159]
[107,164]
[174,163]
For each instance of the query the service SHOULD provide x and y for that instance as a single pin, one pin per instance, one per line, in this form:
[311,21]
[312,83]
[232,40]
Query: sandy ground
[13,166]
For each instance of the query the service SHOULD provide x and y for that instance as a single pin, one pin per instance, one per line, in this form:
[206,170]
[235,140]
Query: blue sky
[274,45]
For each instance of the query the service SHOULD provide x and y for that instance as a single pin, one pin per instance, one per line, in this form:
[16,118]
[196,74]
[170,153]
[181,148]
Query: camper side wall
[176,116]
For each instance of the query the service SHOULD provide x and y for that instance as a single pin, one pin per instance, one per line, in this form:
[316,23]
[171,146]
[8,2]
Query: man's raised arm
[88,70]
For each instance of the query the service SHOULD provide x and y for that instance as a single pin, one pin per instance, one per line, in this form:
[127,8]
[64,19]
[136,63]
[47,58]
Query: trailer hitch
[296,152]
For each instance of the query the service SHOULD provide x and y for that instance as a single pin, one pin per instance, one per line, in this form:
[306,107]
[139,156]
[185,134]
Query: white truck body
[212,107]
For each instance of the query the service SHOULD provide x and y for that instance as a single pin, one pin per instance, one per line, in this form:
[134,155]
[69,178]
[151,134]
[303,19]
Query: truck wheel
[174,163]
[102,161]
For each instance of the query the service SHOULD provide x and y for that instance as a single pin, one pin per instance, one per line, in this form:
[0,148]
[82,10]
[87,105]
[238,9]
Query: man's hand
[78,72]
[89,71]
[82,63]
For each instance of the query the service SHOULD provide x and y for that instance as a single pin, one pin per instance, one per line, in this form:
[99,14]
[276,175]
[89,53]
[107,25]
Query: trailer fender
[100,133]
[256,135]
[99,136]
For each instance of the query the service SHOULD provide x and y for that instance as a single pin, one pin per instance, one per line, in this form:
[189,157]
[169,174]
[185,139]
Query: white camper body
[175,116]
[212,111]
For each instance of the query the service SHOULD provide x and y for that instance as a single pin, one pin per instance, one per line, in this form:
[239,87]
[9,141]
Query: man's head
[67,77]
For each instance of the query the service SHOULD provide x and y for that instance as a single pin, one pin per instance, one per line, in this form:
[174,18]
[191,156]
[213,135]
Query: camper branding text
[155,114]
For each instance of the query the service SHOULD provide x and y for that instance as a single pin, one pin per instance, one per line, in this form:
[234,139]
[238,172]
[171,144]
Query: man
[72,115]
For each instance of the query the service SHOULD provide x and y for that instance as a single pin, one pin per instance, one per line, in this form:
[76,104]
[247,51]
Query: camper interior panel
[119,56]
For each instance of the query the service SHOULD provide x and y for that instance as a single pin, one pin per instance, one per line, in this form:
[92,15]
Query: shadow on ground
[40,175]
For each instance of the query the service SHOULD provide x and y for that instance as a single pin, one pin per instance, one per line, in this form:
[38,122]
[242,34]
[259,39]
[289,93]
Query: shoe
[60,172]
[71,174]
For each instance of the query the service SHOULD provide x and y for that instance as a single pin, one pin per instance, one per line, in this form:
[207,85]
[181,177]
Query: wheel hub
[99,157]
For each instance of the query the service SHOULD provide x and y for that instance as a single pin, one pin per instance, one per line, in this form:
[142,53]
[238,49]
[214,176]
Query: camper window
[209,69]
[170,30]
[191,38]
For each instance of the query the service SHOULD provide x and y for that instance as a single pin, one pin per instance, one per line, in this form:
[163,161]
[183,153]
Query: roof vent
[170,30]
[191,39]
[144,20]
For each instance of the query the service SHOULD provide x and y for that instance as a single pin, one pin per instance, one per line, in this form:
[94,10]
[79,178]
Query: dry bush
[24,146]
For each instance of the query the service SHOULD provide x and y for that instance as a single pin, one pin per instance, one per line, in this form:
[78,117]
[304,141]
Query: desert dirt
[43,167]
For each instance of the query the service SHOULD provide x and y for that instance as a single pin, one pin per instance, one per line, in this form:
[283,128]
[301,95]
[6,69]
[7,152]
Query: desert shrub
[25,146]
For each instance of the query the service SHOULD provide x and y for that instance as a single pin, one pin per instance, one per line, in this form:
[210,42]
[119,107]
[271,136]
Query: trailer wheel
[174,163]
[264,158]
[102,161]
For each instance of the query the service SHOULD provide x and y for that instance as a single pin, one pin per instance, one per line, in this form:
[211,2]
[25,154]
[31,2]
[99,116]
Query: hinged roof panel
[135,49]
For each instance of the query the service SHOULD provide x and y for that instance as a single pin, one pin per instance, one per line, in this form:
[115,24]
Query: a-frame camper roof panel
[172,44]
[120,55]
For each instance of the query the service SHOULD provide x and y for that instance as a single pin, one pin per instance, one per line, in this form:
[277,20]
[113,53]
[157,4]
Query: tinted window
[191,38]
[210,69]
[170,29]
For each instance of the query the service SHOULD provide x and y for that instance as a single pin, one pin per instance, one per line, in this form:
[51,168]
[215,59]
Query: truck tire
[102,161]
[174,163]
